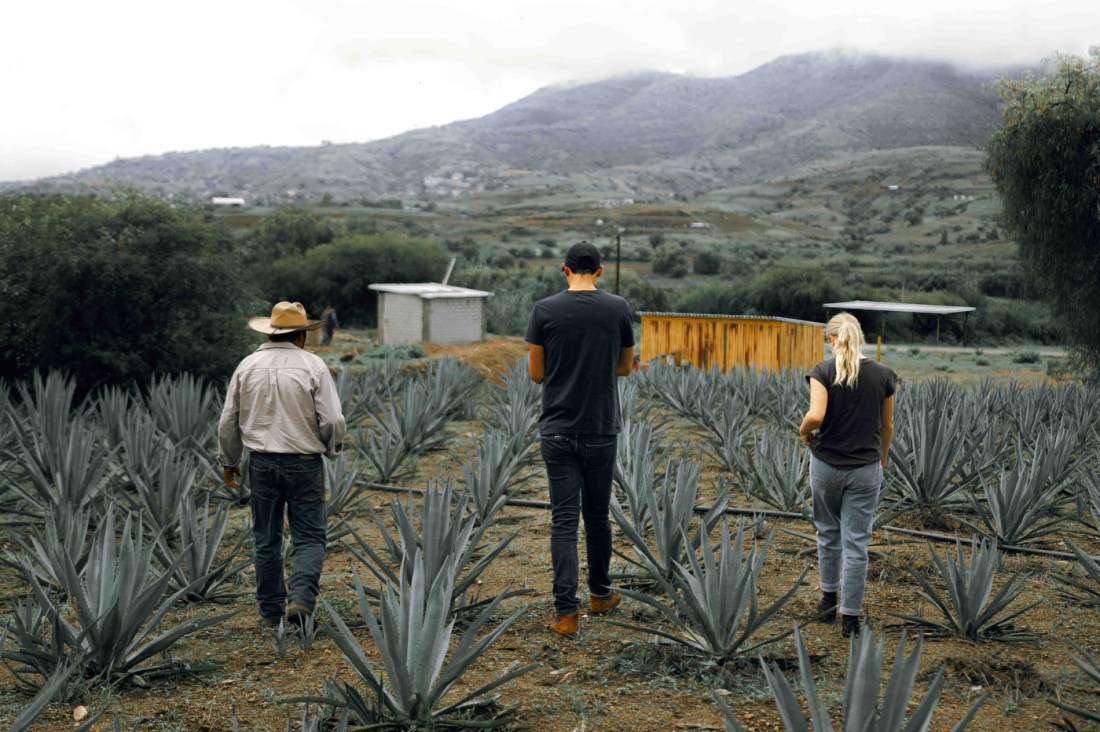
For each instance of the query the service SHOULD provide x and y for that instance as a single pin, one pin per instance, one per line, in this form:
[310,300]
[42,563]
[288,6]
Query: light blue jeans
[844,512]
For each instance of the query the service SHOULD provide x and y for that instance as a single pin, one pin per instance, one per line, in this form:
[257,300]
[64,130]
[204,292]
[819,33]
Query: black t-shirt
[582,333]
[851,434]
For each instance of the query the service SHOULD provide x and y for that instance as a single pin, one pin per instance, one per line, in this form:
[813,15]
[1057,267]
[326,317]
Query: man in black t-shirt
[580,341]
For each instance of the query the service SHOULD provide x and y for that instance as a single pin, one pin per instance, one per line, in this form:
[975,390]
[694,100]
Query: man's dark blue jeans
[294,486]
[579,469]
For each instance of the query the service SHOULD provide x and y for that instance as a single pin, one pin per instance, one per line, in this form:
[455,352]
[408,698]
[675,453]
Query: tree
[670,261]
[1044,159]
[707,263]
[289,231]
[340,273]
[115,291]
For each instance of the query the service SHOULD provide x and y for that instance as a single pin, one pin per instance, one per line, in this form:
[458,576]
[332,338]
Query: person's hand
[884,462]
[229,475]
[804,437]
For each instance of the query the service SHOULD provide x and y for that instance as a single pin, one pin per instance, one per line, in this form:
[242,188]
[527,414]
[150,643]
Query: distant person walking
[330,324]
[852,411]
[580,340]
[282,406]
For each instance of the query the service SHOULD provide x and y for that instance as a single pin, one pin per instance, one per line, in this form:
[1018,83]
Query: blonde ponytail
[849,336]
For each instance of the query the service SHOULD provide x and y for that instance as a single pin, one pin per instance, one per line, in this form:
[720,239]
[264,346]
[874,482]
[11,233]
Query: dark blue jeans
[579,469]
[294,486]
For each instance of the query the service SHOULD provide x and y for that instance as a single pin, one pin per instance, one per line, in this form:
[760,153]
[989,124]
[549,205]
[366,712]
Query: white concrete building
[431,312]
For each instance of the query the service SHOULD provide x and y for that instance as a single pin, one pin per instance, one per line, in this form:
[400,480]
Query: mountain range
[641,134]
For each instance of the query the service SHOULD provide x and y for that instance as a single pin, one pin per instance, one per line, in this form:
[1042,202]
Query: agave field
[128,585]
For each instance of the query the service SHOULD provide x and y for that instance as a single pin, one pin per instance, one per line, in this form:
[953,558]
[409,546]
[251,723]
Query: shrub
[119,290]
[706,263]
[670,261]
[340,273]
[1025,357]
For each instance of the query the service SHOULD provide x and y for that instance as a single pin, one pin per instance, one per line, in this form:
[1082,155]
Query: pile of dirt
[492,357]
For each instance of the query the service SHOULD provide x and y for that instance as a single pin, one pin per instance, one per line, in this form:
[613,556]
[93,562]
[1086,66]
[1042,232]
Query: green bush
[340,273]
[1025,357]
[706,263]
[115,291]
[670,261]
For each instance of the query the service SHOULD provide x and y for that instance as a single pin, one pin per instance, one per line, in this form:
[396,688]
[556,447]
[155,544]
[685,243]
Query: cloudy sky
[86,82]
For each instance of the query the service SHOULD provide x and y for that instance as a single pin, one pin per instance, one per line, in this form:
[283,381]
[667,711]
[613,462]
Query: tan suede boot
[601,605]
[566,624]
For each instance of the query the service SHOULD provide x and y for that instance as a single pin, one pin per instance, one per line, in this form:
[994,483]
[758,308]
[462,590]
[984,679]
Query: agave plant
[639,453]
[61,467]
[727,425]
[778,472]
[454,388]
[862,710]
[186,409]
[408,428]
[412,631]
[513,409]
[164,487]
[113,410]
[971,610]
[715,608]
[1087,663]
[1022,506]
[195,566]
[490,474]
[346,494]
[449,534]
[1081,591]
[668,514]
[930,455]
[786,399]
[120,604]
[67,526]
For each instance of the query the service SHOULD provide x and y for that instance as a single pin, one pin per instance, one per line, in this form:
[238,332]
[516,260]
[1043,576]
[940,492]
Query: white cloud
[86,82]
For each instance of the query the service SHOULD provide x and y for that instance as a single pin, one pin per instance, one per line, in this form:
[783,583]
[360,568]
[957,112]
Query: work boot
[850,625]
[566,624]
[268,622]
[601,605]
[297,612]
[826,608]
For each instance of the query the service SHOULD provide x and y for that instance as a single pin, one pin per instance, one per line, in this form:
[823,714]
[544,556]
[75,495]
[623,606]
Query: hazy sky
[85,82]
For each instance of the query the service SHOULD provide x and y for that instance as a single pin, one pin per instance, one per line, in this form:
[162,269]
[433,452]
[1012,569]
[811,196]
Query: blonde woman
[848,427]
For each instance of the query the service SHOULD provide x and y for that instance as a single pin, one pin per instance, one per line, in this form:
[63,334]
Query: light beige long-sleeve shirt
[281,399]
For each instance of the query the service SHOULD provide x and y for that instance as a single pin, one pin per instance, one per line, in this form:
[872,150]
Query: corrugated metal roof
[430,290]
[712,316]
[900,307]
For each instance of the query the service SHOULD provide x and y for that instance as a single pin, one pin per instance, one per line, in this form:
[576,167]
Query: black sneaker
[850,626]
[826,609]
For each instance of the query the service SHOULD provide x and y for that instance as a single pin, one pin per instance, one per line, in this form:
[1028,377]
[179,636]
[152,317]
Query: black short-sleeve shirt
[851,434]
[582,333]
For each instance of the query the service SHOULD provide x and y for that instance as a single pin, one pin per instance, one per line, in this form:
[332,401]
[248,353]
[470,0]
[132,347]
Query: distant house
[614,203]
[226,201]
[430,312]
[700,225]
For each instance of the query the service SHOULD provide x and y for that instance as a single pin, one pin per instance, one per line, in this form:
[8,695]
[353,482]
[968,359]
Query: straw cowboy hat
[286,317]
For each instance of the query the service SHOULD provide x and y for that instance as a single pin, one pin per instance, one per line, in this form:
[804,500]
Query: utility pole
[618,257]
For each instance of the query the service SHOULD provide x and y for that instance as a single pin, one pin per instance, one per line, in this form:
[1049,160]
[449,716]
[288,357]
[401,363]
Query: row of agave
[428,566]
[121,516]
[1017,465]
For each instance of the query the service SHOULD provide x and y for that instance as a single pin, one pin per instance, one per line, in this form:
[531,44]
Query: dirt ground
[610,678]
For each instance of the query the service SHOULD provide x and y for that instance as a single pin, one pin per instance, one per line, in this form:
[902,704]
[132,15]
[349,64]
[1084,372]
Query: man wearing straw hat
[282,406]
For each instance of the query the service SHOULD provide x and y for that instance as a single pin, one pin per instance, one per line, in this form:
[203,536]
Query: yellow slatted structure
[763,342]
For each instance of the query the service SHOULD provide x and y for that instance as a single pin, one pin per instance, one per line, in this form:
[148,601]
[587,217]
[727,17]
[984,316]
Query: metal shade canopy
[899,307]
[906,307]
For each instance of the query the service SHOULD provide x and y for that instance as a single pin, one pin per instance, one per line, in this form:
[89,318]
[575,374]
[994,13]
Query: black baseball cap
[582,257]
